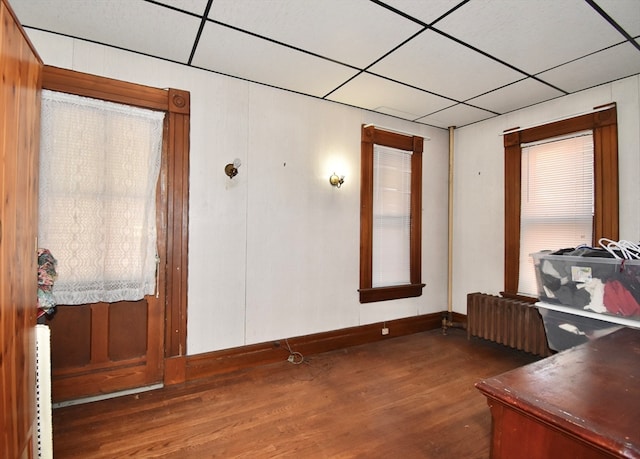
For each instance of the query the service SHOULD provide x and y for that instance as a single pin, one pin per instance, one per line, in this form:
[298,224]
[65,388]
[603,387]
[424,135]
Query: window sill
[395,292]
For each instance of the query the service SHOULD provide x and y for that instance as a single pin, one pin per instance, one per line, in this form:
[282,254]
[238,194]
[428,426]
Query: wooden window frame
[371,136]
[173,184]
[603,123]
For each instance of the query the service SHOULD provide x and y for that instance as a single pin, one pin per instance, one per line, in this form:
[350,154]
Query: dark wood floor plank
[411,396]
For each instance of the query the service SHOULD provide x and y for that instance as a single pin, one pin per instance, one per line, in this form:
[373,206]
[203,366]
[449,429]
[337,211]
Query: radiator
[507,321]
[44,431]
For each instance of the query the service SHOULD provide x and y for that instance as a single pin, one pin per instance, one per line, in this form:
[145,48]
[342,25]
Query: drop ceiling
[438,62]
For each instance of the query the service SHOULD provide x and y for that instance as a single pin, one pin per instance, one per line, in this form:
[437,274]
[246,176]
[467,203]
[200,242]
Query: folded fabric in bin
[595,288]
[570,294]
[619,300]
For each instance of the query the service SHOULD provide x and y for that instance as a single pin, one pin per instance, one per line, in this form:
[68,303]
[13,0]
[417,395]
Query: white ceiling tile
[238,54]
[625,12]
[378,94]
[353,32]
[193,6]
[609,65]
[145,28]
[427,12]
[521,94]
[444,67]
[531,35]
[457,115]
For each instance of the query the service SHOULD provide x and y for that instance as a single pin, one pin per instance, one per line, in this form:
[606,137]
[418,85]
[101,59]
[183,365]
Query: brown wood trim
[155,339]
[212,363]
[369,295]
[416,214]
[179,101]
[74,372]
[175,370]
[67,388]
[87,85]
[606,183]
[460,318]
[394,139]
[512,171]
[585,122]
[177,234]
[371,136]
[366,197]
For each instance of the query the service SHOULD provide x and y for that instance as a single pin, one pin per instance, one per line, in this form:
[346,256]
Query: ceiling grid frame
[439,62]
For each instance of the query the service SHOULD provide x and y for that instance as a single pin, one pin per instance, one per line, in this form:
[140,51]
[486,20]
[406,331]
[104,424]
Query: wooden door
[103,348]
[20,76]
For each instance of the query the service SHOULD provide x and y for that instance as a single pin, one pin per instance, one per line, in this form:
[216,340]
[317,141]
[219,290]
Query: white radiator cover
[43,428]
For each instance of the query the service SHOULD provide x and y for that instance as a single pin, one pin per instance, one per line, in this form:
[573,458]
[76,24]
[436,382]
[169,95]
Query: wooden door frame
[173,188]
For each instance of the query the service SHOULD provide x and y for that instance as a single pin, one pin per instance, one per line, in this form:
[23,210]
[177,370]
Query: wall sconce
[336,180]
[231,169]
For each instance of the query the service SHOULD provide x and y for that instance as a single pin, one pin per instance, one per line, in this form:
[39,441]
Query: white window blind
[556,199]
[99,166]
[391,216]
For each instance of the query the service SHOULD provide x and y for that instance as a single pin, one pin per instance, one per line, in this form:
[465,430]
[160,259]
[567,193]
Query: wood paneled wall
[20,79]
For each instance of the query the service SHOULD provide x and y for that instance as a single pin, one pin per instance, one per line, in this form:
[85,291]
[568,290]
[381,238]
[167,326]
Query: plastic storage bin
[608,287]
[567,329]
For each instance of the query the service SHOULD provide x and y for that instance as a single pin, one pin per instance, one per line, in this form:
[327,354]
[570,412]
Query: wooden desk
[581,403]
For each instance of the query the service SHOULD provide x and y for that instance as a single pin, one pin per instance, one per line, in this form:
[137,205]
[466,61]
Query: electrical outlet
[385,331]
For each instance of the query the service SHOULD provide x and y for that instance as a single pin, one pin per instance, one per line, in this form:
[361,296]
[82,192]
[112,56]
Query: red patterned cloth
[619,300]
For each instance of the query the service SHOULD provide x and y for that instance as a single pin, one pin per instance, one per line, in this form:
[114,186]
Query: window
[98,179]
[390,215]
[556,203]
[577,153]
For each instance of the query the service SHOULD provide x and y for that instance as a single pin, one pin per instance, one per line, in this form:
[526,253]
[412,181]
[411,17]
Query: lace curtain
[99,166]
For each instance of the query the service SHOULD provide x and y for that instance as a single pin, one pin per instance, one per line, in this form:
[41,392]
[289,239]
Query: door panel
[130,319]
[103,348]
[71,337]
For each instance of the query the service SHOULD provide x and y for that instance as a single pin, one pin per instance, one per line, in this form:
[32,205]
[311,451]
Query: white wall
[274,253]
[478,257]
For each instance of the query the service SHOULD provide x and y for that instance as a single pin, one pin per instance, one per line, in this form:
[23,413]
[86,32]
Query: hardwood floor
[408,397]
